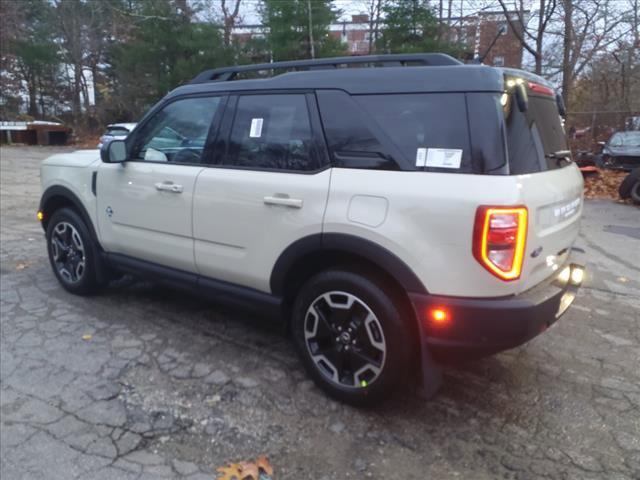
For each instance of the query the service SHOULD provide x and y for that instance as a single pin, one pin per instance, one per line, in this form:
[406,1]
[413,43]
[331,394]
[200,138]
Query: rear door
[145,203]
[268,188]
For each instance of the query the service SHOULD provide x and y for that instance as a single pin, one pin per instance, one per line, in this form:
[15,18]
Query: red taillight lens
[541,89]
[499,238]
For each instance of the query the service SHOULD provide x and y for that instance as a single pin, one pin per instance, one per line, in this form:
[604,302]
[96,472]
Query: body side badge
[109,211]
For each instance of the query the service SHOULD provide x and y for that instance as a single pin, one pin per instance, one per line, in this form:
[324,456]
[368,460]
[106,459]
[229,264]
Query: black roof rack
[395,60]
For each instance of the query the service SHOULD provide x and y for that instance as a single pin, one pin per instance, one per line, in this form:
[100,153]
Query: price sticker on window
[443,158]
[256,128]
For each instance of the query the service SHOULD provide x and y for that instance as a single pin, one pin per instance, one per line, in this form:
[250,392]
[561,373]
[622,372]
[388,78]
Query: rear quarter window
[415,123]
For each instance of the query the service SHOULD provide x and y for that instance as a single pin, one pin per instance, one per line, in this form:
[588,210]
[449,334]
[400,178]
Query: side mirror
[114,151]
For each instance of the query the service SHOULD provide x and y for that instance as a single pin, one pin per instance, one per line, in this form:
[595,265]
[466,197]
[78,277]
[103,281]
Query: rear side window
[430,130]
[272,132]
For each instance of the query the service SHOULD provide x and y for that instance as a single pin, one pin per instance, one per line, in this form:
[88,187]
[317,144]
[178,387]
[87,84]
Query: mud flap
[431,379]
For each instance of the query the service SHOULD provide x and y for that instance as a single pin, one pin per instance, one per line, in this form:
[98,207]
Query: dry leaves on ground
[261,469]
[604,184]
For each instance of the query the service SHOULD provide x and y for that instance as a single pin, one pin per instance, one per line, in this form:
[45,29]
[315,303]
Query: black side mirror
[114,151]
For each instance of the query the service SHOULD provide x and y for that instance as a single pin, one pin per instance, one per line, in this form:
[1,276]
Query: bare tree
[374,12]
[589,27]
[229,19]
[532,39]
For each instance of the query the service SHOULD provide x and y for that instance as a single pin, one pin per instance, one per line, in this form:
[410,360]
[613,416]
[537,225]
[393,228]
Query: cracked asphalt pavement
[140,382]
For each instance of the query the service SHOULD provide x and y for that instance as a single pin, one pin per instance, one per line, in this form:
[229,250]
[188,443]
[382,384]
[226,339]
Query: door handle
[169,187]
[284,201]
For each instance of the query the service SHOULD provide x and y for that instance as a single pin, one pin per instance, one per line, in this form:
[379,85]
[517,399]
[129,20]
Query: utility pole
[312,47]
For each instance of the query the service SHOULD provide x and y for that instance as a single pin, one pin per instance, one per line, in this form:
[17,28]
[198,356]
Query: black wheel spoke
[69,252]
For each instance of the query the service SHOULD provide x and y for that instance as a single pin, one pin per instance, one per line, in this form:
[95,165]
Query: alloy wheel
[345,339]
[68,252]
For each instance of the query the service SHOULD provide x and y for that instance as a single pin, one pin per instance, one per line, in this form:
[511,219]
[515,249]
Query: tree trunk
[567,73]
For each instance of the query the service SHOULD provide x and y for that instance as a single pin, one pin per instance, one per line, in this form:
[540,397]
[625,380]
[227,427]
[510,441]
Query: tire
[635,193]
[345,318]
[624,190]
[72,253]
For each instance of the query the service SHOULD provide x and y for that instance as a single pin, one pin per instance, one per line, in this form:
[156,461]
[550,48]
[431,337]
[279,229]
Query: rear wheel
[72,253]
[351,337]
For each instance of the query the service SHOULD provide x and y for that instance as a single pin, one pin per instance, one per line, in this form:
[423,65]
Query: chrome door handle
[284,201]
[169,187]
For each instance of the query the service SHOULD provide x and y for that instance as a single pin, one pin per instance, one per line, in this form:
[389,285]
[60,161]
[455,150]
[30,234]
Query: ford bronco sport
[391,209]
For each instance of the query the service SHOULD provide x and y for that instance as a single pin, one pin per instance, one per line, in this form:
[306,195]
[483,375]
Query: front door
[145,203]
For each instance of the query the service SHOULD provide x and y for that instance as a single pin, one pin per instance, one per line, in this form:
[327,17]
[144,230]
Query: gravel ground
[141,382]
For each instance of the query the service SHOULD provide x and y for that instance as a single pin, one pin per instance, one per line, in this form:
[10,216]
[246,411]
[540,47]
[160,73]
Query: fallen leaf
[263,464]
[87,337]
[21,265]
[249,470]
[232,472]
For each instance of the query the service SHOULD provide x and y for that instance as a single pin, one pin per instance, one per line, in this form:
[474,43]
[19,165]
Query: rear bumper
[477,327]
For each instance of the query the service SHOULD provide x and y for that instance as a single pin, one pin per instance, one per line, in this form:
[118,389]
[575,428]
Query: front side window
[272,132]
[178,132]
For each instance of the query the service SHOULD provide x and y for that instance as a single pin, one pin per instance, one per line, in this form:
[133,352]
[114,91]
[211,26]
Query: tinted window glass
[345,129]
[272,131]
[417,123]
[178,132]
[533,135]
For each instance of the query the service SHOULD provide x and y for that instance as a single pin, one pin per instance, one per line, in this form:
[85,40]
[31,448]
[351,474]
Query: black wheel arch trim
[345,244]
[64,192]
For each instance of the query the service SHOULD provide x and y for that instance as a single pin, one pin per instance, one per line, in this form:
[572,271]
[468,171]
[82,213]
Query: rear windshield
[430,130]
[535,136]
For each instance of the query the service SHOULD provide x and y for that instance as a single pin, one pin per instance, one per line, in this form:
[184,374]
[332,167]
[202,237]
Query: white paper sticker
[421,157]
[443,158]
[256,128]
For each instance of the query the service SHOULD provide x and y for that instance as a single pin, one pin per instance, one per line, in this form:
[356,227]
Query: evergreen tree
[167,48]
[293,32]
[410,26]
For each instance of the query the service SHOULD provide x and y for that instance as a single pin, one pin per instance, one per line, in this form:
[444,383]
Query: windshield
[625,139]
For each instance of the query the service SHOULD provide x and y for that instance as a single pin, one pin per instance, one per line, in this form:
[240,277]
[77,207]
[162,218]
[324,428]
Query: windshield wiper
[560,155]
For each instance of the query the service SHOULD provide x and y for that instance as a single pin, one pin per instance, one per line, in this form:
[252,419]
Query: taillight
[541,89]
[499,237]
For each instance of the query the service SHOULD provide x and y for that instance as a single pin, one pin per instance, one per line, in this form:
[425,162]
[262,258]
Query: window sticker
[421,157]
[256,128]
[443,158]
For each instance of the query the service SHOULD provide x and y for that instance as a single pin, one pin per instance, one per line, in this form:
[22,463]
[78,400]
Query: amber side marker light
[438,316]
[499,238]
[40,216]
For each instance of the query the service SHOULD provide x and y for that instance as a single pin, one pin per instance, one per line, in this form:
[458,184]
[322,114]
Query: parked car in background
[621,151]
[116,130]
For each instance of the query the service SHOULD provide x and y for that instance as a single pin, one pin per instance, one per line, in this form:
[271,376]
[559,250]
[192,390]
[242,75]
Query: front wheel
[72,253]
[351,336]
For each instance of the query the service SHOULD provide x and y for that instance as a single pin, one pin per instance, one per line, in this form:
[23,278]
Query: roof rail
[395,60]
